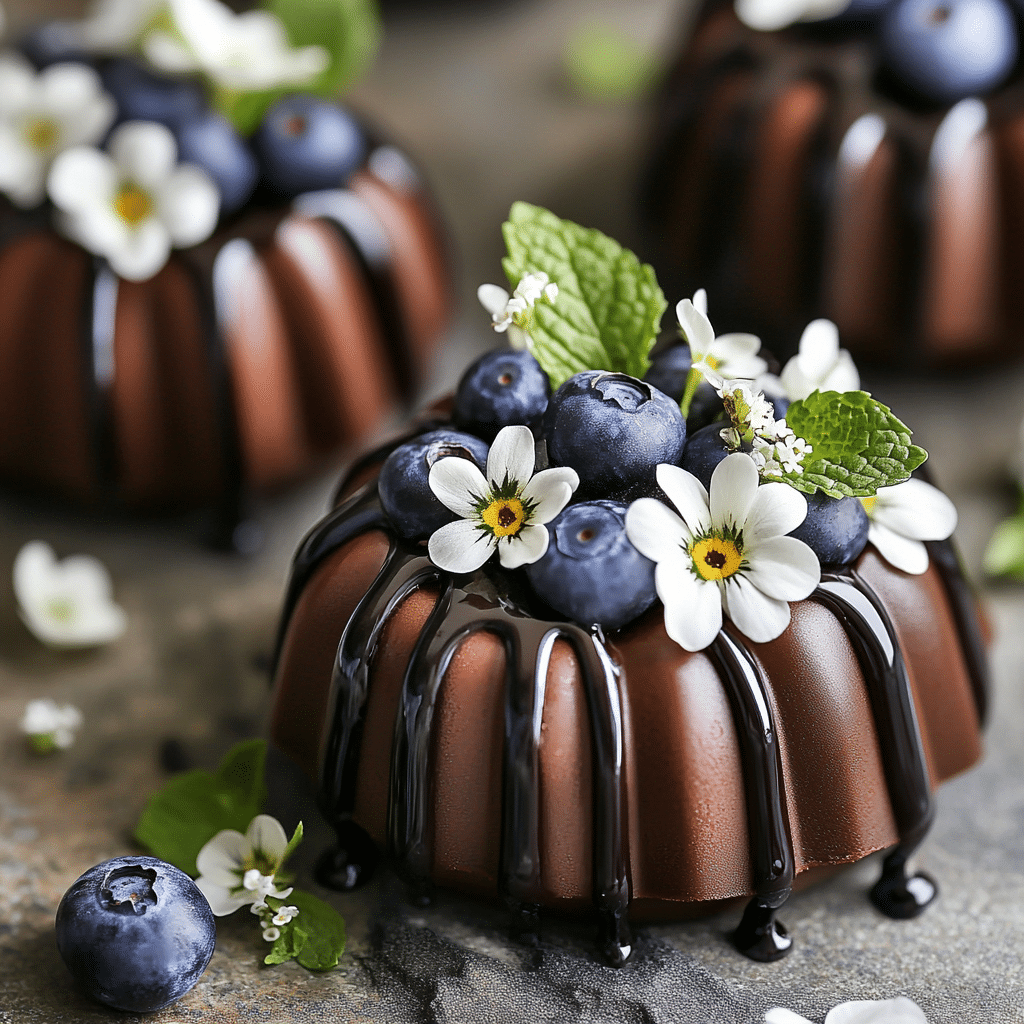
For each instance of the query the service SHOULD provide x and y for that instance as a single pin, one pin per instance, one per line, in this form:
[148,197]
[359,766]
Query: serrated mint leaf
[325,930]
[609,305]
[191,809]
[1004,555]
[858,445]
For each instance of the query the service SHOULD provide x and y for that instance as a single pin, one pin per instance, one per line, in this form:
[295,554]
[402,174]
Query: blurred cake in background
[863,162]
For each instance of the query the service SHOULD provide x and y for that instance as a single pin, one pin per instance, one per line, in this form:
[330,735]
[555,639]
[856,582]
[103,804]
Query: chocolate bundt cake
[795,174]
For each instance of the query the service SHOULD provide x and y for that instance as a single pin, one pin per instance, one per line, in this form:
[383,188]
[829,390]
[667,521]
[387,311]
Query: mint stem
[693,381]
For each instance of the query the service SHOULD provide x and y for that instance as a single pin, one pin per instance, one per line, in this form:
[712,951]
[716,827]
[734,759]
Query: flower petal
[882,1011]
[266,833]
[915,509]
[733,488]
[656,531]
[221,858]
[144,151]
[688,494]
[144,252]
[901,552]
[778,1015]
[82,177]
[460,546]
[512,456]
[784,568]
[693,607]
[758,617]
[819,349]
[492,297]
[525,547]
[550,491]
[843,376]
[696,327]
[221,901]
[777,509]
[33,568]
[458,484]
[189,204]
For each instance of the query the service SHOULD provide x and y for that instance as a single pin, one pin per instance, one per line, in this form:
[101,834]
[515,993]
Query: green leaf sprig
[609,305]
[1004,553]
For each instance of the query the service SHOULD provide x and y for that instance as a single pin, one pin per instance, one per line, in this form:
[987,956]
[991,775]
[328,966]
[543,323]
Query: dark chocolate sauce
[99,366]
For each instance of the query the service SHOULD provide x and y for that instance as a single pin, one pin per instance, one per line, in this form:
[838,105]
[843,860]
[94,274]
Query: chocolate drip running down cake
[792,179]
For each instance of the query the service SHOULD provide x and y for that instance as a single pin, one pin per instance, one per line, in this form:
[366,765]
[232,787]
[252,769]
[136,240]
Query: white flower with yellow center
[727,355]
[134,203]
[41,115]
[236,870]
[504,511]
[512,313]
[245,52]
[67,604]
[903,517]
[820,365]
[49,726]
[867,1011]
[724,552]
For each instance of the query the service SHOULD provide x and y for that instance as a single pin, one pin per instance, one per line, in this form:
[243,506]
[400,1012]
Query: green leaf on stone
[293,938]
[180,819]
[609,305]
[858,445]
[1004,554]
[324,928]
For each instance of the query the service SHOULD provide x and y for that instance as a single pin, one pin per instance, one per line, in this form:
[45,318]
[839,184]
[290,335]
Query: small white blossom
[903,517]
[820,365]
[236,870]
[869,1011]
[67,604]
[725,552]
[511,312]
[134,203]
[728,355]
[49,725]
[43,114]
[776,449]
[246,52]
[770,15]
[504,511]
[271,934]
[285,914]
[115,25]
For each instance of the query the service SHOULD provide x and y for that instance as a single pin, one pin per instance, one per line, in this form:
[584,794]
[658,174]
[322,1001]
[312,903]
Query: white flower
[776,449]
[236,870]
[285,914]
[769,15]
[883,1011]
[66,604]
[821,364]
[728,355]
[271,934]
[246,52]
[49,725]
[511,312]
[115,25]
[728,551]
[42,115]
[504,511]
[132,205]
[905,515]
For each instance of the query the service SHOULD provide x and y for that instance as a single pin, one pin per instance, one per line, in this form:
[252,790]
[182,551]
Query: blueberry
[305,144]
[704,450]
[836,529]
[52,43]
[144,96]
[135,932]
[669,369]
[590,571]
[209,140]
[500,389]
[403,484]
[946,50]
[613,430]
[705,408]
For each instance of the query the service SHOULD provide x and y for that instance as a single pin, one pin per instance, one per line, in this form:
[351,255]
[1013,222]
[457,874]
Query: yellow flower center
[132,204]
[60,609]
[713,361]
[504,516]
[869,503]
[42,134]
[716,558]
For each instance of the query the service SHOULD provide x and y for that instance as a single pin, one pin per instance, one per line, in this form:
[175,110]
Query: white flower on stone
[285,914]
[114,25]
[271,934]
[820,365]
[869,1011]
[727,553]
[511,313]
[133,204]
[506,510]
[236,870]
[41,115]
[728,355]
[67,604]
[903,517]
[770,15]
[50,726]
[245,52]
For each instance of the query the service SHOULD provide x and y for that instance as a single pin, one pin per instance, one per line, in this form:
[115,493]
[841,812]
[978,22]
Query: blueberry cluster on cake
[583,642]
[860,161]
[214,277]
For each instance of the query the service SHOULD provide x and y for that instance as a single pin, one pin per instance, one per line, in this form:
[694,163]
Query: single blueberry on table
[614,430]
[143,96]
[946,50]
[135,932]
[305,144]
[404,485]
[502,388]
[210,140]
[590,571]
[669,369]
[836,529]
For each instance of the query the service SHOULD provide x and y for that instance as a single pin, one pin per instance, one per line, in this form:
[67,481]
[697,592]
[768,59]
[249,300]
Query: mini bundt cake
[646,713]
[830,169]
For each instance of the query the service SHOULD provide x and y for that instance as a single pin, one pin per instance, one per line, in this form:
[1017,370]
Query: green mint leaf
[324,928]
[289,944]
[604,63]
[1004,554]
[858,445]
[191,809]
[609,305]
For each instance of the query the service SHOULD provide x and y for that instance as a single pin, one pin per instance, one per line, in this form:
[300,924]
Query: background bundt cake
[851,169]
[546,731]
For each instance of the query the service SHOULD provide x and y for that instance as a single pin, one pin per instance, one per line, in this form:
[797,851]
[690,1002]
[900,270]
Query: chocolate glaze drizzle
[491,600]
[98,363]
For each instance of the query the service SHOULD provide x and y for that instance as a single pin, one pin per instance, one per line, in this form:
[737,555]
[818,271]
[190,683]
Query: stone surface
[492,122]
